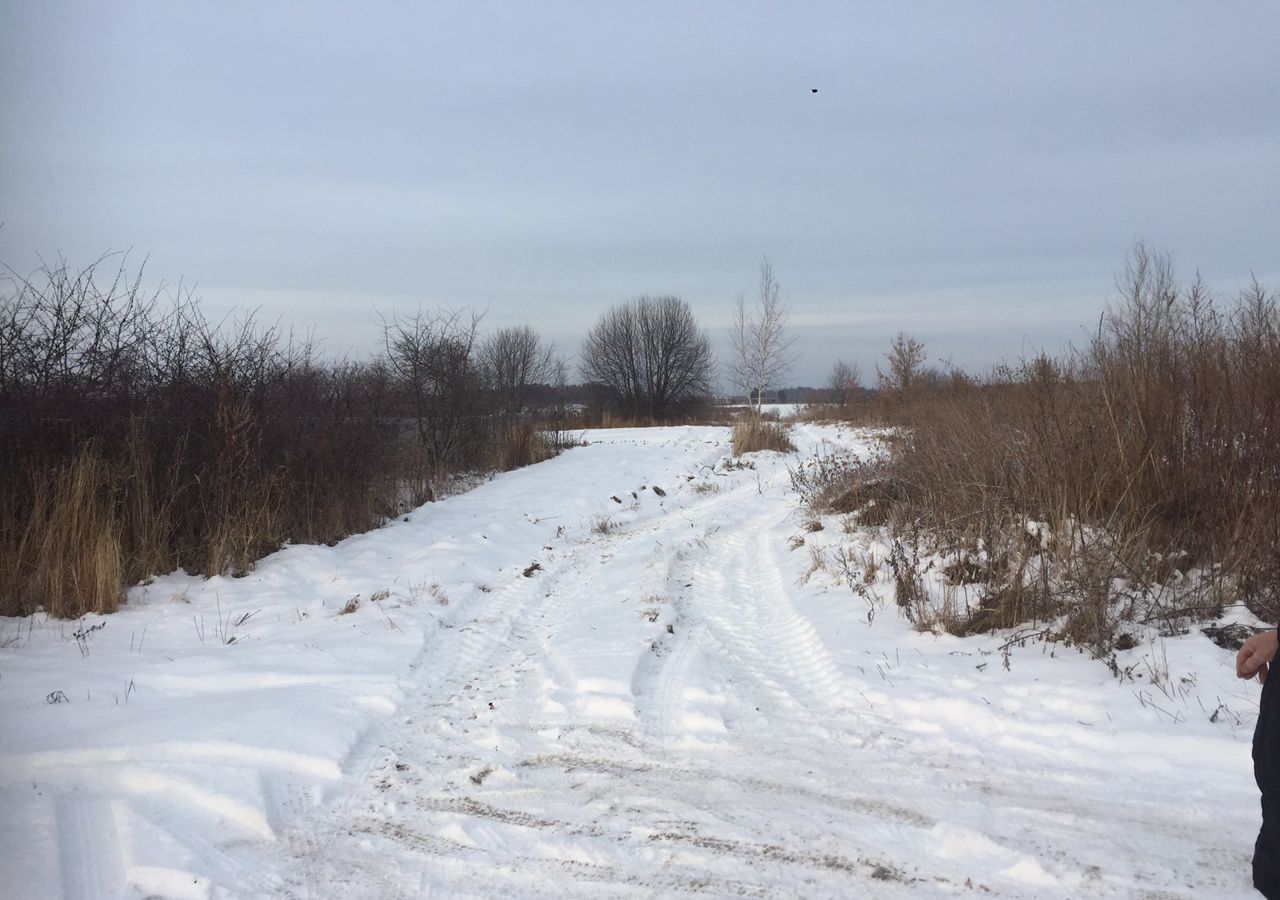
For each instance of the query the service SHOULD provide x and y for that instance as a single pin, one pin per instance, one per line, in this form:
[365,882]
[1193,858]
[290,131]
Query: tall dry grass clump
[137,437]
[754,434]
[69,551]
[517,444]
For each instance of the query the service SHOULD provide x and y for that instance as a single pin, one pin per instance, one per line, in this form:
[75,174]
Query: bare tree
[762,351]
[430,354]
[906,358]
[1148,315]
[512,361]
[650,355]
[844,382]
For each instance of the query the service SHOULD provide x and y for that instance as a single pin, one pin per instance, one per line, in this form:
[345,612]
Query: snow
[681,705]
[778,410]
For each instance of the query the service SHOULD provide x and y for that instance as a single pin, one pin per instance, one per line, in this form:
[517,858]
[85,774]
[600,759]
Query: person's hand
[1256,655]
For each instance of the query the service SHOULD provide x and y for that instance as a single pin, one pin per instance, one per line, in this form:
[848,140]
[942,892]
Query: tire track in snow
[459,653]
[657,684]
[696,571]
[468,658]
[659,679]
[582,798]
[762,636]
[86,861]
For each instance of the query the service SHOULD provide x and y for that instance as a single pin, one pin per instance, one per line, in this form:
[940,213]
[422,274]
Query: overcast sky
[970,173]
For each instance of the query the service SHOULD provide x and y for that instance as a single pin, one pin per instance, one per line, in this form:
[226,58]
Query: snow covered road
[605,675]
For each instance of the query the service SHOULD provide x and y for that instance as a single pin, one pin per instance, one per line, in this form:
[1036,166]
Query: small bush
[754,435]
[867,491]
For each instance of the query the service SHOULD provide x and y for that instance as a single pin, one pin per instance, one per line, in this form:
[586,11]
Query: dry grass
[519,444]
[69,555]
[754,435]
[1134,480]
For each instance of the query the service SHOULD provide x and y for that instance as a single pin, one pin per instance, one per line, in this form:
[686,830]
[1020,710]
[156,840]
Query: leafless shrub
[904,367]
[140,437]
[432,357]
[864,490]
[845,385]
[909,591]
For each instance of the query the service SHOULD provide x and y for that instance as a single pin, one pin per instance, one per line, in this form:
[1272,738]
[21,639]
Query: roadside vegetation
[140,437]
[1133,484]
[1130,485]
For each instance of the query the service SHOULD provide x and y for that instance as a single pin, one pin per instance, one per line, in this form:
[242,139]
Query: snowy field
[607,675]
[780,410]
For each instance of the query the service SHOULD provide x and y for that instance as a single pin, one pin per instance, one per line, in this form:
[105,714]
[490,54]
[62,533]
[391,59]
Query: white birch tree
[762,350]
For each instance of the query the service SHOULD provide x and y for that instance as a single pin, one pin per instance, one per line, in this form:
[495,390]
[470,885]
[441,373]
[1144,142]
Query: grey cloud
[971,165]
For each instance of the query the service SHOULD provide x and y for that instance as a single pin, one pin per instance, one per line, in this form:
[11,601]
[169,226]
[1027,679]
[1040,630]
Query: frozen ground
[663,705]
